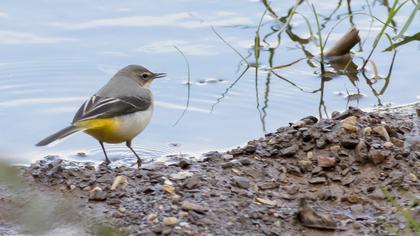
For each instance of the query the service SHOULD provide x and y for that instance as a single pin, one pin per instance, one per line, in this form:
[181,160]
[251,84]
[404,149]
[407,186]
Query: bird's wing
[108,107]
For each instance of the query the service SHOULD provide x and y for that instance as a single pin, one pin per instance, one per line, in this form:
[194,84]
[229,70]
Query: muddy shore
[354,174]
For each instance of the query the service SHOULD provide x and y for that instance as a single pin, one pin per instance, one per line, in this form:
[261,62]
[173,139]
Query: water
[55,54]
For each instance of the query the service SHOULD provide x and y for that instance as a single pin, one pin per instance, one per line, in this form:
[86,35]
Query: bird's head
[141,75]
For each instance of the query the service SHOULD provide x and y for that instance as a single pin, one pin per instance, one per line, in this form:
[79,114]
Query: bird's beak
[159,75]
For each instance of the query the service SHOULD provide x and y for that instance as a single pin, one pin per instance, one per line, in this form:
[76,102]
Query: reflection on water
[254,66]
[337,66]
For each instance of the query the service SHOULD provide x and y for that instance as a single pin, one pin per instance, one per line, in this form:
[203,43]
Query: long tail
[59,135]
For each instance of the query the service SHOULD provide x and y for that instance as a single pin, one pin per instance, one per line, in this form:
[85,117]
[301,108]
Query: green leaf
[409,20]
[406,40]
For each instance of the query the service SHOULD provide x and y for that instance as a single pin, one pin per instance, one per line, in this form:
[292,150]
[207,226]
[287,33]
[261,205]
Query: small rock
[265,201]
[175,198]
[412,177]
[267,185]
[367,131]
[361,152]
[113,201]
[309,120]
[289,151]
[180,175]
[104,179]
[183,214]
[388,145]
[325,161]
[119,181]
[321,143]
[116,214]
[305,164]
[318,180]
[227,157]
[354,199]
[121,209]
[168,188]
[241,182]
[292,189]
[186,205]
[378,156]
[192,182]
[298,124]
[377,194]
[397,142]
[169,221]
[348,180]
[245,161]
[335,148]
[380,130]
[97,194]
[351,128]
[309,155]
[184,164]
[351,120]
[151,217]
[349,141]
[349,124]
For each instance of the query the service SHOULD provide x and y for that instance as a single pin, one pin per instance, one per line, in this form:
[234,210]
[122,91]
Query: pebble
[184,164]
[412,177]
[309,155]
[349,141]
[265,201]
[151,217]
[169,221]
[350,128]
[397,142]
[292,189]
[192,182]
[121,209]
[325,161]
[388,144]
[348,179]
[361,152]
[175,198]
[318,180]
[241,182]
[227,157]
[183,214]
[350,123]
[377,156]
[186,205]
[97,194]
[367,131]
[351,120]
[335,148]
[382,132]
[180,175]
[289,151]
[117,214]
[119,182]
[168,189]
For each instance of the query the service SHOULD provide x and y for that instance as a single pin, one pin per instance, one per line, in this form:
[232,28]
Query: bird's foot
[138,163]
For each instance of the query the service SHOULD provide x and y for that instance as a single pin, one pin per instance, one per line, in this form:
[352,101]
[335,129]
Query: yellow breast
[103,129]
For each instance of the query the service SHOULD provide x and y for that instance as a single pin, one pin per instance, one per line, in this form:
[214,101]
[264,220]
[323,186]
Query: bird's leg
[128,143]
[107,161]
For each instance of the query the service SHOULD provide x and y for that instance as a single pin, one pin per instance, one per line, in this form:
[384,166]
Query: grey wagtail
[118,112]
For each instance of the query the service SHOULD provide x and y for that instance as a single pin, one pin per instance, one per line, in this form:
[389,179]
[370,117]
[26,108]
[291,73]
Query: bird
[117,113]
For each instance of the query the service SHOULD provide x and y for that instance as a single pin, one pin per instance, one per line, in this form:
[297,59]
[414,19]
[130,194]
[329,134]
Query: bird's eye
[145,75]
